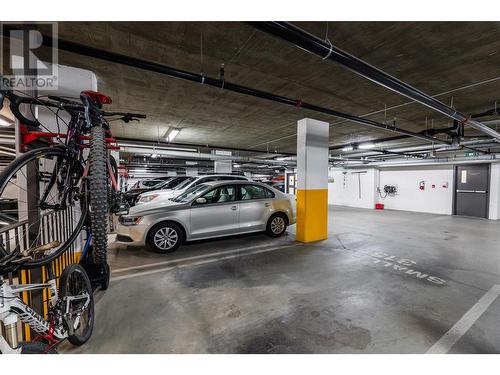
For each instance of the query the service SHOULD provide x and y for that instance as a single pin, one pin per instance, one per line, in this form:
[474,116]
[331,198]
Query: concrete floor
[253,294]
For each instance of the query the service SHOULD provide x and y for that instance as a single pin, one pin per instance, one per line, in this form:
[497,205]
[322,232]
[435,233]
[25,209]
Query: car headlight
[130,220]
[148,198]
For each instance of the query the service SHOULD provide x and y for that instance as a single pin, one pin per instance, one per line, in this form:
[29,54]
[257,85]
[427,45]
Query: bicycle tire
[99,195]
[67,286]
[13,168]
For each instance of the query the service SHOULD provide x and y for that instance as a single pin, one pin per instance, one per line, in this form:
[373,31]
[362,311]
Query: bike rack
[29,136]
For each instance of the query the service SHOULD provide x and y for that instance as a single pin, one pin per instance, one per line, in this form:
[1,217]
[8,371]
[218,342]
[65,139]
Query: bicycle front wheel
[99,211]
[42,205]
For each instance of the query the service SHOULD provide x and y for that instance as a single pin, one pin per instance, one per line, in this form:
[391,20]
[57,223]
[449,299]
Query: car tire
[276,225]
[165,238]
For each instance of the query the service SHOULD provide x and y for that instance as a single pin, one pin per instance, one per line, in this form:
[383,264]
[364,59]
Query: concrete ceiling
[435,57]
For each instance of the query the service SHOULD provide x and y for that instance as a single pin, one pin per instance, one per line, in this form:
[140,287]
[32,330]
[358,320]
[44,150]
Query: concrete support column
[494,213]
[191,171]
[312,180]
[221,165]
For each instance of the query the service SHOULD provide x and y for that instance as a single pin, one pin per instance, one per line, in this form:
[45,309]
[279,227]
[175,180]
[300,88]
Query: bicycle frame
[13,308]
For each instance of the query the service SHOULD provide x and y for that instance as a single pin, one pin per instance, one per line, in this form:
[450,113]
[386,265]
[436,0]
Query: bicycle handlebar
[125,117]
[58,102]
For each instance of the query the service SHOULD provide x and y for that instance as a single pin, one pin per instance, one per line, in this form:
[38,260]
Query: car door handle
[234,208]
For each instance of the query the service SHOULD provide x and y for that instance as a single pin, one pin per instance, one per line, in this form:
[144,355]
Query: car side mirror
[200,200]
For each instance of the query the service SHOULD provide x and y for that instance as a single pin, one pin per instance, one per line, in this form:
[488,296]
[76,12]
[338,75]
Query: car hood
[154,206]
[161,193]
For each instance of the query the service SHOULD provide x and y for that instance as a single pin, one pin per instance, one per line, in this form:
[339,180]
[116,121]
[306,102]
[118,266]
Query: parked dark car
[132,194]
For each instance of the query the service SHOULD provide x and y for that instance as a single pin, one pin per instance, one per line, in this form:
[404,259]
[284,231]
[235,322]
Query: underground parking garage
[250,188]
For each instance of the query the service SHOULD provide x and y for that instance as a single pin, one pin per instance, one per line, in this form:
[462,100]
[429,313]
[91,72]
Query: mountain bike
[70,313]
[60,179]
[47,196]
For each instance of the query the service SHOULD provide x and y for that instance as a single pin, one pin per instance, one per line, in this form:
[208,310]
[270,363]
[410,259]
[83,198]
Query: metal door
[471,190]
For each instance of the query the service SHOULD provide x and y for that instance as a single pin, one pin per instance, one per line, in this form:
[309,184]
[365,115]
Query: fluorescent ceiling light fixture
[154,156]
[156,148]
[237,165]
[365,146]
[348,148]
[171,134]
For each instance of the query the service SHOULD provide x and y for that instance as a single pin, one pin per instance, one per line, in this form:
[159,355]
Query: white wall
[437,199]
[345,188]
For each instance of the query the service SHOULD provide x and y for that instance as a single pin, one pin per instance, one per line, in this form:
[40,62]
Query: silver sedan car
[212,209]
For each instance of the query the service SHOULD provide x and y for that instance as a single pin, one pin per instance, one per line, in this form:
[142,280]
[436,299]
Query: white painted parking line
[206,261]
[186,259]
[450,338]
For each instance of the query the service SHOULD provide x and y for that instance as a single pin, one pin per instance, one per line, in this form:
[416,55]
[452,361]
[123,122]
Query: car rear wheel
[276,225]
[165,238]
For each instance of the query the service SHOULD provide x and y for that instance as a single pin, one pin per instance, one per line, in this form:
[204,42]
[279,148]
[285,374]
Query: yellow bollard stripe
[312,215]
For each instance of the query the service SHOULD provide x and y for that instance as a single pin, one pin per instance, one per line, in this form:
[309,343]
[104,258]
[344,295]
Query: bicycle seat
[97,97]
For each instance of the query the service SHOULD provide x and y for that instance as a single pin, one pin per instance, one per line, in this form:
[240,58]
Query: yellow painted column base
[312,215]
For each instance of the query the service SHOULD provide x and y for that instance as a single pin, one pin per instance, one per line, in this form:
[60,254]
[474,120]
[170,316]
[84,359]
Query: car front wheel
[165,238]
[276,225]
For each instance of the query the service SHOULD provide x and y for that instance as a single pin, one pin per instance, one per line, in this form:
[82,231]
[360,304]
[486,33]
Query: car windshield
[184,183]
[189,194]
[173,183]
[152,183]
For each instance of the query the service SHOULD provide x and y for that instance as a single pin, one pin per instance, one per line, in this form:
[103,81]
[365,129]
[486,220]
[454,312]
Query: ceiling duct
[327,51]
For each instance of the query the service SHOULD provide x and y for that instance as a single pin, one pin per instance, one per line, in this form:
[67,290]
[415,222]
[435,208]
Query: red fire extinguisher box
[379,206]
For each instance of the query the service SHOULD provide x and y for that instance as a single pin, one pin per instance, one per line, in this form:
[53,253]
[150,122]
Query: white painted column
[494,213]
[312,180]
[223,166]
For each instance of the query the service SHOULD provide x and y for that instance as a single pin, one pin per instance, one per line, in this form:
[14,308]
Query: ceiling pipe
[327,51]
[490,112]
[117,58]
[492,122]
[153,143]
[432,131]
[493,158]
[477,143]
[375,141]
[202,156]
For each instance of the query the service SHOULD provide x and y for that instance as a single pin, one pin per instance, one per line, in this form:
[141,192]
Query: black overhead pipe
[387,152]
[326,50]
[490,112]
[221,83]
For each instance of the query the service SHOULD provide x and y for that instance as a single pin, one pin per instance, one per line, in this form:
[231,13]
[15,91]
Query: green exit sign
[470,153]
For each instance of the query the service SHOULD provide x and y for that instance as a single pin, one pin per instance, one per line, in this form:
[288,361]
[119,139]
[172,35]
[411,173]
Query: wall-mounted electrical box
[388,191]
